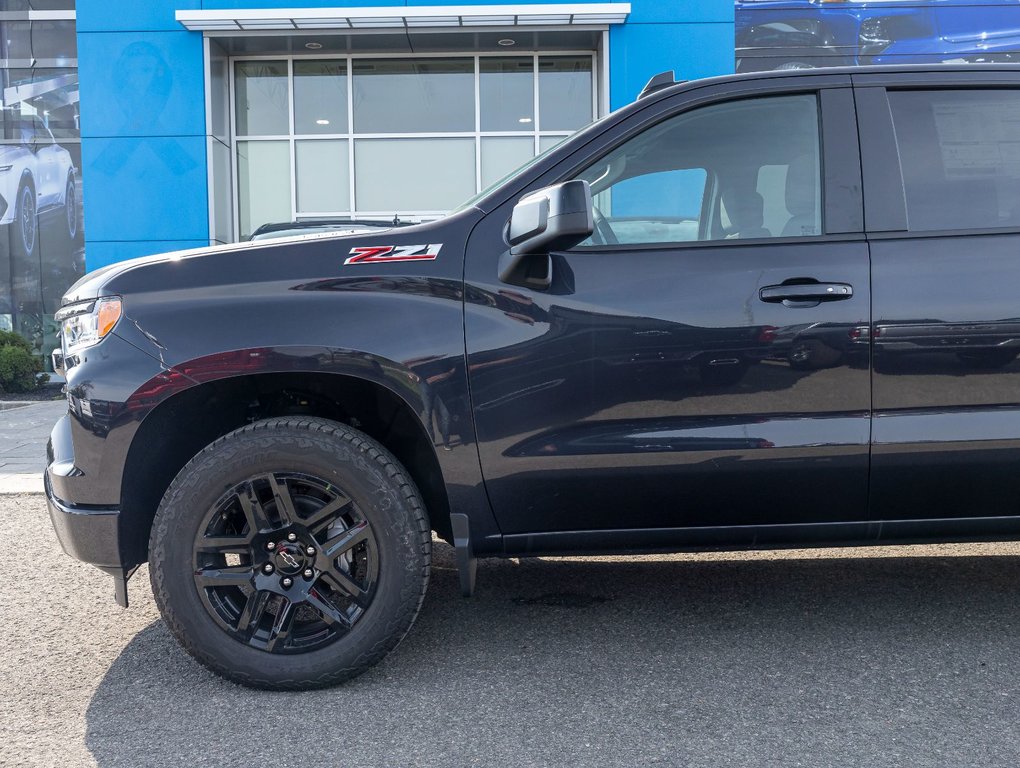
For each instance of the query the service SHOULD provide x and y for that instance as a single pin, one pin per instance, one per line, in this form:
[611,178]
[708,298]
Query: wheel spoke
[253,510]
[224,544]
[327,610]
[284,502]
[346,586]
[227,576]
[340,543]
[323,517]
[252,613]
[285,611]
[280,633]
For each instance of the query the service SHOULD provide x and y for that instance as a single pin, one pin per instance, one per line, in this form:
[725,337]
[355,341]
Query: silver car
[36,175]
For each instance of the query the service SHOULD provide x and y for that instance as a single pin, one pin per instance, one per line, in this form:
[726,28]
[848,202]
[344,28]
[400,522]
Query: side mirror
[549,219]
[552,218]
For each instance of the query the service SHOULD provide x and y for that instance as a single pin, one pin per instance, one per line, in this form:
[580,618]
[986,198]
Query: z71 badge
[377,254]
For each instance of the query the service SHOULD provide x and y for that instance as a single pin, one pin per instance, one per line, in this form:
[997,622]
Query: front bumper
[89,534]
[87,454]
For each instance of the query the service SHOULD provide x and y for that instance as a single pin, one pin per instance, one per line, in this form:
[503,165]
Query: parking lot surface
[24,429]
[895,657]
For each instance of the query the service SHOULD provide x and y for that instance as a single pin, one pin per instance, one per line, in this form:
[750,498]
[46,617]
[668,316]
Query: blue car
[801,34]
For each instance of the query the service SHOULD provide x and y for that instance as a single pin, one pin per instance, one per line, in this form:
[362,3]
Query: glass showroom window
[381,136]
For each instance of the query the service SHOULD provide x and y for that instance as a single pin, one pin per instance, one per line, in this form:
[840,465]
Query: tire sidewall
[19,227]
[278,448]
[71,208]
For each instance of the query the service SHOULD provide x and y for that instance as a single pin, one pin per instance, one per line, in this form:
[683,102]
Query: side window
[960,157]
[738,170]
[664,206]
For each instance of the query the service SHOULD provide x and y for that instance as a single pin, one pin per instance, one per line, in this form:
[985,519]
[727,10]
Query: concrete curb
[21,482]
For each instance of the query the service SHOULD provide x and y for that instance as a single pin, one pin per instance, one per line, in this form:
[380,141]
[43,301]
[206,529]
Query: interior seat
[801,186]
[746,212]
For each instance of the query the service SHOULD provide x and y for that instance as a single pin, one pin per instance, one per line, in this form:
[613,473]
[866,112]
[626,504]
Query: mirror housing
[552,219]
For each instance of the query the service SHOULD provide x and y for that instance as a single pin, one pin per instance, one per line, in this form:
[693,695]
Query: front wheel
[290,554]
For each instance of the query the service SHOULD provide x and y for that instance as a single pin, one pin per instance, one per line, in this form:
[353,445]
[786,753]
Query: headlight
[86,323]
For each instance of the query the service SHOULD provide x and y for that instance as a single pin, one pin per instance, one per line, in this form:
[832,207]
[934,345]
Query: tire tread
[268,434]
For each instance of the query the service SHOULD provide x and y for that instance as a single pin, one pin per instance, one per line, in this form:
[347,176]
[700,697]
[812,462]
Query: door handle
[801,294]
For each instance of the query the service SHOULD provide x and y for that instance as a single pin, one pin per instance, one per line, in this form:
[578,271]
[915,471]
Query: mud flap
[120,580]
[467,565]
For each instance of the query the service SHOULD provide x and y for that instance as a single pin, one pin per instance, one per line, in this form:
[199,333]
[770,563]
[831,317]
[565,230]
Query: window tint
[960,157]
[739,170]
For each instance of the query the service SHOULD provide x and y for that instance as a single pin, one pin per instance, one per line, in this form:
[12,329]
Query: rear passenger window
[960,157]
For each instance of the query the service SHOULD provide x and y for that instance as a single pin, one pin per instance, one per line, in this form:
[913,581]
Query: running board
[467,565]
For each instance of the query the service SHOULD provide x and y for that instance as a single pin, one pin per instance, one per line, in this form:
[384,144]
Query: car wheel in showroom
[71,208]
[26,220]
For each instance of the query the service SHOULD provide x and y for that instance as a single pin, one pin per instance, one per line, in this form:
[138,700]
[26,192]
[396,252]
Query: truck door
[942,183]
[702,360]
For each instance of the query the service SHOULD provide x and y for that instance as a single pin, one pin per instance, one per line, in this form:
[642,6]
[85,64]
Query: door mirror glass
[552,219]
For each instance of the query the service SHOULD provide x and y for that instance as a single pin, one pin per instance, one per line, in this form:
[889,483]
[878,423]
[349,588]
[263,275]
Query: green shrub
[12,339]
[18,367]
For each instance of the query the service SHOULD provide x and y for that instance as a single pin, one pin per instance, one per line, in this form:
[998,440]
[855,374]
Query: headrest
[745,208]
[802,186]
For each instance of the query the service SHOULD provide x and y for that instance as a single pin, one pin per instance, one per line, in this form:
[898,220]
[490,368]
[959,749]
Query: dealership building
[202,120]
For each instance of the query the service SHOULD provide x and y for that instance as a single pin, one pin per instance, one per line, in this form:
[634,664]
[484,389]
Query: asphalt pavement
[892,657]
[24,429]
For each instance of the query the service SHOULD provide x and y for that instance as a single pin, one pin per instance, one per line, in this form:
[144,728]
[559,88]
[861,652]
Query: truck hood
[92,284]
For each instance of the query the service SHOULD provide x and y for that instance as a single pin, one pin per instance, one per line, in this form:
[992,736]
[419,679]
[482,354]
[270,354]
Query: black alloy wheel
[286,562]
[290,554]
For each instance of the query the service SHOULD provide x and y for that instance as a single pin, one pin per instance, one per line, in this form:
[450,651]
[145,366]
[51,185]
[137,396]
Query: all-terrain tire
[368,474]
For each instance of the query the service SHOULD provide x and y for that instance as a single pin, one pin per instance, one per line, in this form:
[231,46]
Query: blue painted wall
[694,38]
[143,125]
[143,129]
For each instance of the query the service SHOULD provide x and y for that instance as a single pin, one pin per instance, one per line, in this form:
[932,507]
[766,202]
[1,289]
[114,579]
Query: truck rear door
[941,164]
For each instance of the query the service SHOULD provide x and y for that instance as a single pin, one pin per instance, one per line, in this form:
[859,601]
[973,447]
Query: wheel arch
[194,416]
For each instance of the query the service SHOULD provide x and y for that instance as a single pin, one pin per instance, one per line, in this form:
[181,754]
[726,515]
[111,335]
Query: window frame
[351,136]
[842,199]
[885,199]
[842,204]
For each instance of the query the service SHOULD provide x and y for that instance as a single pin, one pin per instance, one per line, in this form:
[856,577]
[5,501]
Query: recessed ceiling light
[524,120]
[322,122]
[313,46]
[506,41]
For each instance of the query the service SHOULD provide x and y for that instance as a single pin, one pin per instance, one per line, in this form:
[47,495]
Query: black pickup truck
[660,335]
